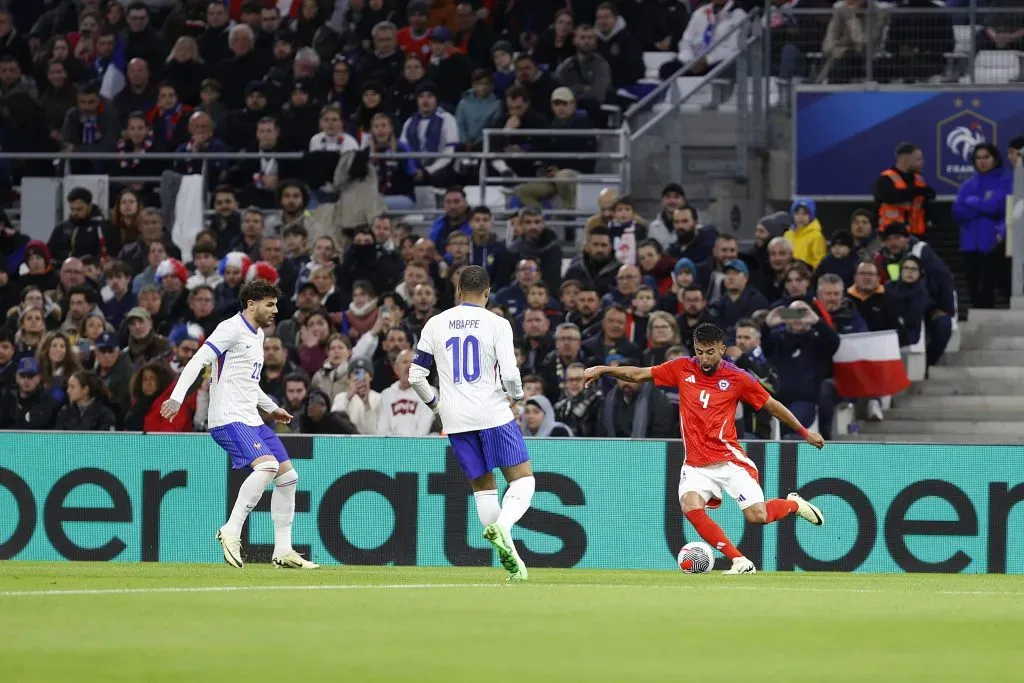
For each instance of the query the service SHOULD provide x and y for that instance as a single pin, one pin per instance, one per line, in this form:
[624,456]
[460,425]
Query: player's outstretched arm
[628,373]
[203,357]
[789,419]
[418,373]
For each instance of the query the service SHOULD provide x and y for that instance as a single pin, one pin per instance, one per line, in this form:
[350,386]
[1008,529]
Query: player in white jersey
[478,378]
[236,347]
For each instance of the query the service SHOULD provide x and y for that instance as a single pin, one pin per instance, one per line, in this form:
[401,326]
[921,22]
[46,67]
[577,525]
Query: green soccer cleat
[501,539]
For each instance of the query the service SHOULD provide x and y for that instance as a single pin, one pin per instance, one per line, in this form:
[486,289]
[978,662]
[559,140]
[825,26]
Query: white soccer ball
[696,558]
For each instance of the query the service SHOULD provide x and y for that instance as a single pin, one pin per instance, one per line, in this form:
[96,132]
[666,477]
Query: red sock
[712,533]
[779,508]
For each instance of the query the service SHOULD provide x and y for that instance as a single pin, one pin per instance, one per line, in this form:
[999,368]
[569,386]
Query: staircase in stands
[975,396]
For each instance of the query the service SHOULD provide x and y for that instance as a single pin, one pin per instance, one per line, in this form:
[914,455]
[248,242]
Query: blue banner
[600,503]
[843,140]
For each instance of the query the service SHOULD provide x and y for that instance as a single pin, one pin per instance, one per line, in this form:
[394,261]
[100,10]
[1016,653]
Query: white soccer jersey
[236,350]
[476,362]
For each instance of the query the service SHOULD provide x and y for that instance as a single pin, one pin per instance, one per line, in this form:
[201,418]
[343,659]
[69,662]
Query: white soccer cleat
[502,541]
[807,510]
[741,565]
[874,409]
[232,548]
[293,561]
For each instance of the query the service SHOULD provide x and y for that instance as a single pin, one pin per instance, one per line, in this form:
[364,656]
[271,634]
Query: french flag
[114,81]
[868,365]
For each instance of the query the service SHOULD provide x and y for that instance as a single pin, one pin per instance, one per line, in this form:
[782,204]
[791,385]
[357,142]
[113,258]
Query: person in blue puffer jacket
[980,209]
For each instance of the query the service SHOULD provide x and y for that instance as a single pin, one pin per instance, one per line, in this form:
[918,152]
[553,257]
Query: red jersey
[411,45]
[707,409]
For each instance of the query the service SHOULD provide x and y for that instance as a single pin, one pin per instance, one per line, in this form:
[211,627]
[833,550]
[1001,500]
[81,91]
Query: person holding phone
[361,403]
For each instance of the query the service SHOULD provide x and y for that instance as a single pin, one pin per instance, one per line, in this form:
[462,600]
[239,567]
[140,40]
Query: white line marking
[426,586]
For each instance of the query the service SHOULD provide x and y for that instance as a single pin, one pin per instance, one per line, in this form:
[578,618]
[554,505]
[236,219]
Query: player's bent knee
[288,478]
[269,466]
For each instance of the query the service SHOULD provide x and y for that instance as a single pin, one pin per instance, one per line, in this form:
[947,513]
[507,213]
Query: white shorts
[712,480]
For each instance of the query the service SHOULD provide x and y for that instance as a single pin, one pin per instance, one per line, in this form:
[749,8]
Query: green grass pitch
[192,623]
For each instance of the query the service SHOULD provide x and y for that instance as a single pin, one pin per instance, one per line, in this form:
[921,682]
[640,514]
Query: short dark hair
[89,88]
[297,229]
[80,194]
[298,376]
[693,288]
[268,119]
[693,212]
[118,268]
[518,92]
[257,290]
[610,6]
[600,231]
[203,287]
[480,75]
[523,57]
[87,292]
[90,380]
[624,200]
[479,209]
[474,280]
[905,148]
[655,244]
[364,285]
[616,307]
[862,212]
[457,189]
[746,322]
[251,7]
[295,183]
[224,189]
[708,333]
[137,6]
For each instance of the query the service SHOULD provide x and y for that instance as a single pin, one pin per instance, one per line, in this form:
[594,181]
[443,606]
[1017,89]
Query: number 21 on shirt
[465,358]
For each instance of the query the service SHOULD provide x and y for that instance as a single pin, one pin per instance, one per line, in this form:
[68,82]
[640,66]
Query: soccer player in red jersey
[709,390]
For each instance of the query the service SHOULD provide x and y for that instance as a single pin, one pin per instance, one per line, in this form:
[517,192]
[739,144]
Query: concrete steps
[928,413]
[1005,403]
[956,373]
[874,437]
[964,387]
[951,430]
[985,358]
[980,342]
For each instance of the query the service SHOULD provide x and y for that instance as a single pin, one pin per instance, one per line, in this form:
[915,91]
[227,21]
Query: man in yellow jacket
[805,234]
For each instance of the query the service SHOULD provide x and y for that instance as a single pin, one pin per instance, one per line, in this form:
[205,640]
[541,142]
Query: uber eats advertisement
[599,504]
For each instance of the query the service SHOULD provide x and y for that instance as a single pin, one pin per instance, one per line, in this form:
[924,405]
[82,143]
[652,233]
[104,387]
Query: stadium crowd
[103,315]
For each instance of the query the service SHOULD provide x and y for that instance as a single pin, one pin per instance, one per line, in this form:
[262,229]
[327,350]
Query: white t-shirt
[236,350]
[342,142]
[402,413]
[476,361]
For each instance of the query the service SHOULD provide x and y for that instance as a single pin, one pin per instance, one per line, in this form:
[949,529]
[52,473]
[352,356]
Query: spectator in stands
[117,296]
[513,297]
[332,377]
[213,41]
[144,343]
[414,39]
[396,177]
[486,250]
[81,302]
[625,230]
[537,339]
[186,70]
[260,178]
[1002,31]
[739,299]
[431,130]
[114,372]
[403,94]
[692,240]
[59,95]
[796,280]
[341,91]
[276,368]
[637,411]
[323,277]
[801,349]
[897,244]
[539,86]
[910,299]
[201,309]
[455,218]
[806,232]
[612,338]
[694,313]
[91,126]
[866,240]
[841,260]
[869,297]
[711,37]
[29,406]
[596,266]
[901,192]
[556,44]
[478,106]
[312,347]
[243,67]
[87,410]
[577,407]
[627,280]
[361,403]
[84,232]
[585,72]
[538,242]
[768,228]
[662,334]
[141,39]
[202,140]
[656,265]
[618,46]
[451,68]
[844,316]
[980,209]
[32,298]
[554,366]
[673,197]
[711,273]
[57,362]
[519,113]
[504,67]
[151,386]
[316,418]
[386,62]
[156,253]
[401,411]
[13,43]
[539,420]
[753,359]
[12,81]
[168,120]
[846,40]
[31,328]
[39,262]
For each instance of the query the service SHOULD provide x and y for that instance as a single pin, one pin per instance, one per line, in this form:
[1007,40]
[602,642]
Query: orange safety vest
[912,214]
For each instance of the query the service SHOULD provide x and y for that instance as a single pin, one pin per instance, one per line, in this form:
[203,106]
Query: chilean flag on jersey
[868,364]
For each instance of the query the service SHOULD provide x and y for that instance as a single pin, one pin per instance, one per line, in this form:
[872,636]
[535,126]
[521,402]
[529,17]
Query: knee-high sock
[779,508]
[282,511]
[516,501]
[249,494]
[712,533]
[487,508]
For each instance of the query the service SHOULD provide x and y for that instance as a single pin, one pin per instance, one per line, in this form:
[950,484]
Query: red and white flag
[868,364]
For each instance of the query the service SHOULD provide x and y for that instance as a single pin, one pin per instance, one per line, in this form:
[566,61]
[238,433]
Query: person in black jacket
[869,297]
[841,260]
[753,359]
[597,266]
[539,83]
[83,233]
[739,299]
[366,260]
[617,45]
[87,410]
[29,405]
[244,66]
[451,69]
[519,113]
[541,244]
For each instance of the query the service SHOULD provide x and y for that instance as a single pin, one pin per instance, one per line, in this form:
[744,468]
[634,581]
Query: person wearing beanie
[673,197]
[768,228]
[805,234]
[842,260]
[504,68]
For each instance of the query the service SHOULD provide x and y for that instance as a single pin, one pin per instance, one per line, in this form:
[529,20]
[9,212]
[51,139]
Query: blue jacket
[980,209]
[494,257]
[442,227]
[802,359]
[912,303]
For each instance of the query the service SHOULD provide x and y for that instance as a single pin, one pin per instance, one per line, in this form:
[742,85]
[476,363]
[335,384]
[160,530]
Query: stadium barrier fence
[608,504]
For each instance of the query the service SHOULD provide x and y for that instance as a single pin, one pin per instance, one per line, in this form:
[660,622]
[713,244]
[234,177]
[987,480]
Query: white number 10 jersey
[476,364]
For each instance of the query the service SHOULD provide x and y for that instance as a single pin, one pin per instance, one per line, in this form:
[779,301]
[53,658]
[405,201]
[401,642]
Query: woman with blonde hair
[185,70]
[57,362]
[396,177]
[662,333]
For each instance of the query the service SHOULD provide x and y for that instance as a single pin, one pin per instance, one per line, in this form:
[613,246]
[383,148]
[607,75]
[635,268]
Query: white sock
[487,508]
[282,511]
[249,495]
[516,501]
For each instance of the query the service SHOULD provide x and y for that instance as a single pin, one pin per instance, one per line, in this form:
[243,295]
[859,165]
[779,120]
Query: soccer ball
[696,558]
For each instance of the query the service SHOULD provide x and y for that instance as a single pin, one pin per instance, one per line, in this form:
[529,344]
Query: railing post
[483,165]
[973,18]
[626,163]
[869,56]
[742,112]
[761,73]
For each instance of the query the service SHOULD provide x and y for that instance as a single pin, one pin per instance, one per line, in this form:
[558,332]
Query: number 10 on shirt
[465,358]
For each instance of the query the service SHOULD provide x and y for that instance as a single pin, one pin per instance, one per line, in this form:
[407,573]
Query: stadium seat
[997,66]
[493,198]
[774,95]
[692,94]
[914,358]
[653,62]
[844,416]
[963,39]
[426,198]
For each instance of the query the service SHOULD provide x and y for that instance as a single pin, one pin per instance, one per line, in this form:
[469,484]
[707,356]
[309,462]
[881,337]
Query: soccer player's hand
[169,409]
[590,375]
[281,415]
[816,440]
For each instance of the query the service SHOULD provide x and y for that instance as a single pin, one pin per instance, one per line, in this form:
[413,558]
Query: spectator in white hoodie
[709,24]
[360,402]
[402,413]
